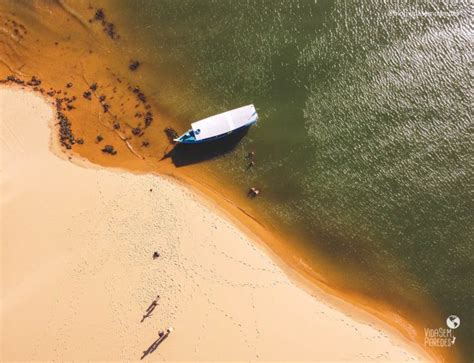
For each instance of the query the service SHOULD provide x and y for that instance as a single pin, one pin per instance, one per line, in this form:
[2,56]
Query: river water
[363,147]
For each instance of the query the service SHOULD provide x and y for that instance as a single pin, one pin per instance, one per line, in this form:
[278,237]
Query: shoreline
[360,307]
[231,212]
[86,262]
[300,273]
[273,244]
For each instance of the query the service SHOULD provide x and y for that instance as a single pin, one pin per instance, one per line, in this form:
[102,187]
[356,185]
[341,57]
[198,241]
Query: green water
[363,144]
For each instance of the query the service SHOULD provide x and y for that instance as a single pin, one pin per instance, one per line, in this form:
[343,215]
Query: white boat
[220,125]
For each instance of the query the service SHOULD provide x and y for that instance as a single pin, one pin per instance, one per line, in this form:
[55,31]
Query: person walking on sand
[150,309]
[153,304]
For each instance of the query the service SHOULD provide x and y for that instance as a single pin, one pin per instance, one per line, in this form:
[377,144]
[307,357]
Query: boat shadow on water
[188,154]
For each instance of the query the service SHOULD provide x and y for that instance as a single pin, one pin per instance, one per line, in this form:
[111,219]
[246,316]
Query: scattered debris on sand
[148,119]
[13,79]
[99,15]
[66,136]
[17,31]
[109,29]
[107,26]
[66,103]
[137,131]
[171,134]
[33,82]
[141,97]
[109,149]
[133,65]
[87,95]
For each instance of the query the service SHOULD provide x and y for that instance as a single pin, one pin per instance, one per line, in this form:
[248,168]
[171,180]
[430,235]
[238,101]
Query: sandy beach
[78,272]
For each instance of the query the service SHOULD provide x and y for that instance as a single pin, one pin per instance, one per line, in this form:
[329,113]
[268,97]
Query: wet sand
[79,273]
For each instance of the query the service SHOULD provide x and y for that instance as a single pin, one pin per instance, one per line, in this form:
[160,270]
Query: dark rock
[59,102]
[148,119]
[66,137]
[15,80]
[109,149]
[99,138]
[34,82]
[87,95]
[69,85]
[136,131]
[80,141]
[93,86]
[141,97]
[99,14]
[109,29]
[171,134]
[133,65]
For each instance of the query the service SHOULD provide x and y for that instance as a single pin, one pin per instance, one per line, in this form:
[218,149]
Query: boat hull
[181,141]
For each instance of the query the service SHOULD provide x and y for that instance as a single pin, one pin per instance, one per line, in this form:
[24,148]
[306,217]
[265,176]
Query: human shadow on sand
[150,309]
[154,345]
[187,154]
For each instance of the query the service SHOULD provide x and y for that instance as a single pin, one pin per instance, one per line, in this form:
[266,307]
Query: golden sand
[79,276]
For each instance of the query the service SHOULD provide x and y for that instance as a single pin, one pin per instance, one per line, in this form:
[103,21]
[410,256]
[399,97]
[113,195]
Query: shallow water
[363,144]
